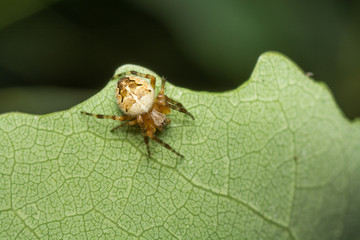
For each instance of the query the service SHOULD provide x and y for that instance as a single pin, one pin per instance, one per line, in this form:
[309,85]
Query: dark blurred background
[57,53]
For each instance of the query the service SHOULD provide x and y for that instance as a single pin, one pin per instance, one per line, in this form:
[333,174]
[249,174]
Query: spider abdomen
[134,95]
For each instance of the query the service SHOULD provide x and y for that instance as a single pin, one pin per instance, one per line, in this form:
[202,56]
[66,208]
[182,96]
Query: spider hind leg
[164,144]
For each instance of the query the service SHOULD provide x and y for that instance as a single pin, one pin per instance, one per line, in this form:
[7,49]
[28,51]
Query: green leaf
[273,159]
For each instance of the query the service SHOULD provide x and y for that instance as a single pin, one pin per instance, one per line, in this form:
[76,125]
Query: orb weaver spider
[136,98]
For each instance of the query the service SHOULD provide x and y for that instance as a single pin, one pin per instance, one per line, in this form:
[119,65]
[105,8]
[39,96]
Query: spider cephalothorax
[136,98]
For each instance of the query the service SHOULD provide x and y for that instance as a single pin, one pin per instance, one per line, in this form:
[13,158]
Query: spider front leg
[170,103]
[162,90]
[177,106]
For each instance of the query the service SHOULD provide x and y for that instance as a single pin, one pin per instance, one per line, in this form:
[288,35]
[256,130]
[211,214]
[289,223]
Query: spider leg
[148,76]
[130,123]
[177,106]
[170,103]
[143,130]
[113,117]
[118,76]
[146,140]
[162,90]
[153,137]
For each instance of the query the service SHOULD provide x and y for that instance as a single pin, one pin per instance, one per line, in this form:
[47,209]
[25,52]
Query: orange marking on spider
[136,99]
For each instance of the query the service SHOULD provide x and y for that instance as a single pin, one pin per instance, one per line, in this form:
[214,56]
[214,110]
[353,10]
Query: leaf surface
[272,159]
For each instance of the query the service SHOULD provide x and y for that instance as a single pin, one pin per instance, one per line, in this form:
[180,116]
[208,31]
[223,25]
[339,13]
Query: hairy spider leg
[162,90]
[113,117]
[148,76]
[149,133]
[170,103]
[177,106]
[182,110]
[130,123]
[164,144]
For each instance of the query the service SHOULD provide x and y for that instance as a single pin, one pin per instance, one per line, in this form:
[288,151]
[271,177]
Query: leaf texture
[272,159]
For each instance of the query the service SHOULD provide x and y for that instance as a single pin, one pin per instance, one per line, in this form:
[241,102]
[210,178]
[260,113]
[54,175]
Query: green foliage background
[272,159]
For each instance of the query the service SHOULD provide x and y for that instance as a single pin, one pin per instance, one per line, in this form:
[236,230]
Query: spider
[136,98]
